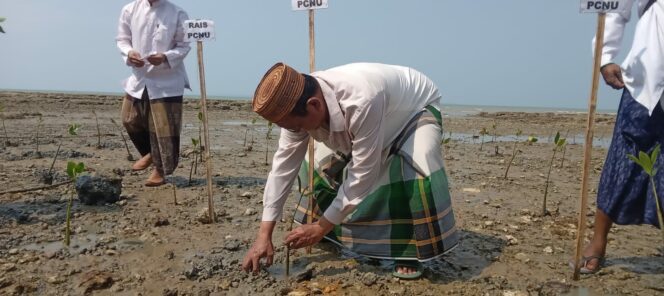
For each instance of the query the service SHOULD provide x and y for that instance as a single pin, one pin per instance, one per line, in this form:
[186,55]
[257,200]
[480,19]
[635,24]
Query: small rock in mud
[369,278]
[96,280]
[232,245]
[98,189]
[306,275]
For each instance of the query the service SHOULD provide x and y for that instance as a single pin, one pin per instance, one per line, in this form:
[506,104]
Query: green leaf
[200,116]
[253,121]
[634,159]
[655,154]
[645,160]
[80,168]
[194,142]
[532,139]
[1,30]
[70,169]
[555,140]
[73,129]
[561,142]
[519,132]
[2,19]
[447,140]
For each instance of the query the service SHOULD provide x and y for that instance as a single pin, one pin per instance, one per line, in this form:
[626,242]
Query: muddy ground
[145,244]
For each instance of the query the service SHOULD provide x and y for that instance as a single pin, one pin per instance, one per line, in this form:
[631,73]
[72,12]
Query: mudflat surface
[145,244]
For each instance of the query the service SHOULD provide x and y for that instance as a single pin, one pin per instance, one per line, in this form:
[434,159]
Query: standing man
[150,38]
[380,187]
[624,195]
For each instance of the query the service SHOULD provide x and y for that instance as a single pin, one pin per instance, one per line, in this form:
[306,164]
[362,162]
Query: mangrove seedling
[562,160]
[98,130]
[2,116]
[558,144]
[647,163]
[483,133]
[268,137]
[73,131]
[196,143]
[494,127]
[73,171]
[124,140]
[529,141]
[200,132]
[39,123]
[448,139]
[514,151]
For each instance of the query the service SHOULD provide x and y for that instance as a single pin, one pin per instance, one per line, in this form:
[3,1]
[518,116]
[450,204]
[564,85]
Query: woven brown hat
[278,92]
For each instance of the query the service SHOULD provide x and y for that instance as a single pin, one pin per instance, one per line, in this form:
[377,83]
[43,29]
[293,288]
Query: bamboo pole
[312,67]
[208,163]
[588,145]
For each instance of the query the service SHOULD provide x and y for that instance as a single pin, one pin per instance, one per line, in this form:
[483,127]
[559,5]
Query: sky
[526,53]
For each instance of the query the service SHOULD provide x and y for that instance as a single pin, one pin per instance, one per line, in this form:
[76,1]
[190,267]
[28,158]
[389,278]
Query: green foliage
[559,141]
[484,131]
[253,120]
[73,129]
[270,125]
[75,169]
[200,116]
[647,162]
[531,140]
[2,19]
[195,142]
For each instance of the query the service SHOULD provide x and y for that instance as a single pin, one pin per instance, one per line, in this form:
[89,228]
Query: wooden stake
[208,163]
[588,145]
[312,67]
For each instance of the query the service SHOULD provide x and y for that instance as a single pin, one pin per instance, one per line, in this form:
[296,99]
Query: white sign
[308,4]
[198,30]
[602,6]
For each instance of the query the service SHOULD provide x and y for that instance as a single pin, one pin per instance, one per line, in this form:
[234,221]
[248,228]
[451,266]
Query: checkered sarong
[409,213]
[154,127]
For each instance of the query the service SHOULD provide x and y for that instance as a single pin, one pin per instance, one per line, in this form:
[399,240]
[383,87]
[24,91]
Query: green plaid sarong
[409,213]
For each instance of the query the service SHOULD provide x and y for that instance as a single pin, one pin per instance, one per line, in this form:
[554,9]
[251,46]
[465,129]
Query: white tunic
[369,105]
[643,68]
[149,30]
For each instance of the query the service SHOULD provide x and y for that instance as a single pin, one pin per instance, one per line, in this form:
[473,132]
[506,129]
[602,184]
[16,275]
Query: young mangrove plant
[529,141]
[98,130]
[197,150]
[72,130]
[200,132]
[494,127]
[447,140]
[483,133]
[562,160]
[514,152]
[39,123]
[73,171]
[2,116]
[268,137]
[124,140]
[558,144]
[647,163]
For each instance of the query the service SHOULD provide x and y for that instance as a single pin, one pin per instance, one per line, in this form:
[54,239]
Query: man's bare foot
[155,179]
[142,163]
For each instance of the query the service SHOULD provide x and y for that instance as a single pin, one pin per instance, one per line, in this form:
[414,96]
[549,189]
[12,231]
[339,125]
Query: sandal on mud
[410,276]
[584,263]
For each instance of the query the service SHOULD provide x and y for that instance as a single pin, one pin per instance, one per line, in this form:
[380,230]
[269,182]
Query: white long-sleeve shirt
[643,68]
[154,29]
[369,104]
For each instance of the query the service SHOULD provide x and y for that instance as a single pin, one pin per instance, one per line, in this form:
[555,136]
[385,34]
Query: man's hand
[261,248]
[308,234]
[612,75]
[157,59]
[135,59]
